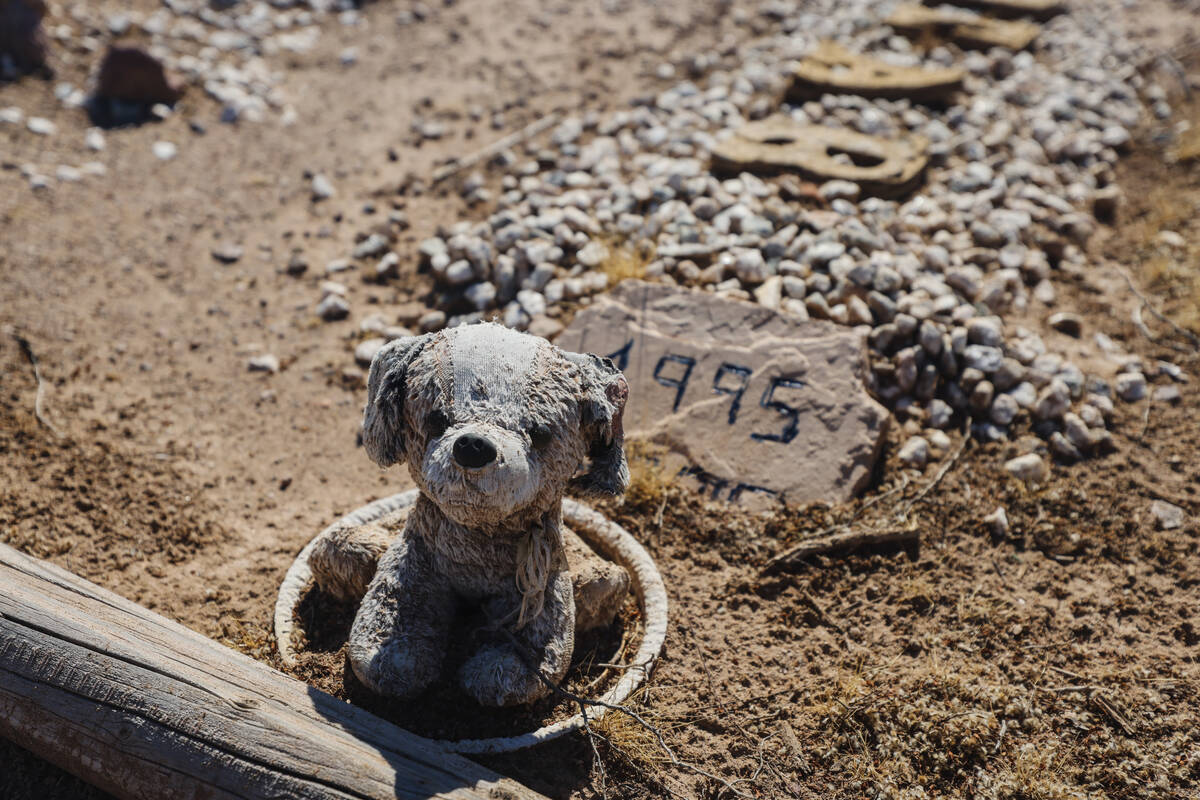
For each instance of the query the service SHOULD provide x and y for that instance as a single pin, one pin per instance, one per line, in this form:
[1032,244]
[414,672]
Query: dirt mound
[82,498]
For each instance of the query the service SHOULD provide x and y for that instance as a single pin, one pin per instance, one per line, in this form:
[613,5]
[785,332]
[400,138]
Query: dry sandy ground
[1061,659]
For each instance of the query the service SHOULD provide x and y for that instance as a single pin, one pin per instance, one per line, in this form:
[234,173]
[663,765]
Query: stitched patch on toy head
[491,366]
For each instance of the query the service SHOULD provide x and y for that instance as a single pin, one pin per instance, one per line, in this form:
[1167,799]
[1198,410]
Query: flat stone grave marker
[883,167]
[748,403]
[832,69]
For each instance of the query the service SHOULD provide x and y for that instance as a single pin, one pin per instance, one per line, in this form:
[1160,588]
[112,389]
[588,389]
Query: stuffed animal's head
[496,424]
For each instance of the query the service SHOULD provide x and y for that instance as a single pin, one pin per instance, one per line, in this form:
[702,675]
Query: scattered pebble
[227,253]
[914,452]
[322,189]
[997,523]
[41,126]
[1030,468]
[164,151]
[333,308]
[365,352]
[1168,515]
[263,363]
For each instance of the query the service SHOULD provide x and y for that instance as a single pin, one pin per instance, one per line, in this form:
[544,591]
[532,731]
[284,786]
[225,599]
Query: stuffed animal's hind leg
[499,675]
[344,560]
[398,639]
[600,585]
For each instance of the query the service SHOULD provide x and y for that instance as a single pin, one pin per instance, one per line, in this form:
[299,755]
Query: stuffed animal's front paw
[393,668]
[497,676]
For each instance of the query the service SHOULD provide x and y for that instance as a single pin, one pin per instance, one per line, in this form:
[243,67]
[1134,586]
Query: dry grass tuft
[1187,146]
[649,478]
[625,260]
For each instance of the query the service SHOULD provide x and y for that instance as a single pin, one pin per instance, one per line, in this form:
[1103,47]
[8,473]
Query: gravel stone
[1029,468]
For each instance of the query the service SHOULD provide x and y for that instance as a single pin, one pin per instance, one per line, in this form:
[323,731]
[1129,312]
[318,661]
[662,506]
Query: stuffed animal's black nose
[473,451]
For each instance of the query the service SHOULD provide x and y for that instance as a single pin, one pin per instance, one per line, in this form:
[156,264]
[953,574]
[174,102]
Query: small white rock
[263,363]
[322,189]
[365,352]
[1130,386]
[997,523]
[94,139]
[1169,515]
[914,452]
[41,126]
[1029,467]
[164,150]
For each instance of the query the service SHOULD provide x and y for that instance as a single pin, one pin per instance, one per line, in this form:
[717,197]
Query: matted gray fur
[495,425]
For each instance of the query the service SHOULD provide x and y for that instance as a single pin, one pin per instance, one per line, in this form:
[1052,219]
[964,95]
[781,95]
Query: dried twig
[1146,304]
[27,349]
[827,541]
[1112,712]
[821,613]
[851,540]
[771,565]
[528,132]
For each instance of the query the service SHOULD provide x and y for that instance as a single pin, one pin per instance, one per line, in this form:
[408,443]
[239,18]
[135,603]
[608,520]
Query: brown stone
[966,30]
[884,167]
[747,402]
[130,74]
[832,69]
[21,37]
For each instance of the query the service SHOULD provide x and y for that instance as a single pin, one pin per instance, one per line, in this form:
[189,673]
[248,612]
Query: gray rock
[263,363]
[372,246]
[914,452]
[227,253]
[365,352]
[839,190]
[431,321]
[823,252]
[1053,401]
[41,126]
[1029,468]
[940,414]
[592,255]
[983,358]
[1167,394]
[750,266]
[1062,448]
[164,151]
[1004,409]
[1066,322]
[985,331]
[1168,515]
[997,523]
[481,295]
[1130,386]
[322,188]
[333,308]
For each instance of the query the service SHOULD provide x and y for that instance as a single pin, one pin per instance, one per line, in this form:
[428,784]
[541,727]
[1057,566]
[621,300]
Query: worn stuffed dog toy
[495,426]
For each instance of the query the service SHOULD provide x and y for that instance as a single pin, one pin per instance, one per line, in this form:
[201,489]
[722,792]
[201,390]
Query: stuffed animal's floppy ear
[383,418]
[605,393]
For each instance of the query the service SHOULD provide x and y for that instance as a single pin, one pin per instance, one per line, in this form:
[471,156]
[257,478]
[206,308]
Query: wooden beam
[145,708]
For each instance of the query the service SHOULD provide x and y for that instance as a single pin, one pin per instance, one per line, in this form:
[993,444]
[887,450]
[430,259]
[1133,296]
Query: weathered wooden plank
[145,708]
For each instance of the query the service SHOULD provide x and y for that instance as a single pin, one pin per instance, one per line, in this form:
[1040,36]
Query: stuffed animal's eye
[436,423]
[540,436]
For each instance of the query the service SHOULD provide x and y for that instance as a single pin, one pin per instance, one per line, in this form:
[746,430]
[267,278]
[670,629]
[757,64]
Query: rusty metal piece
[965,30]
[832,69]
[882,167]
